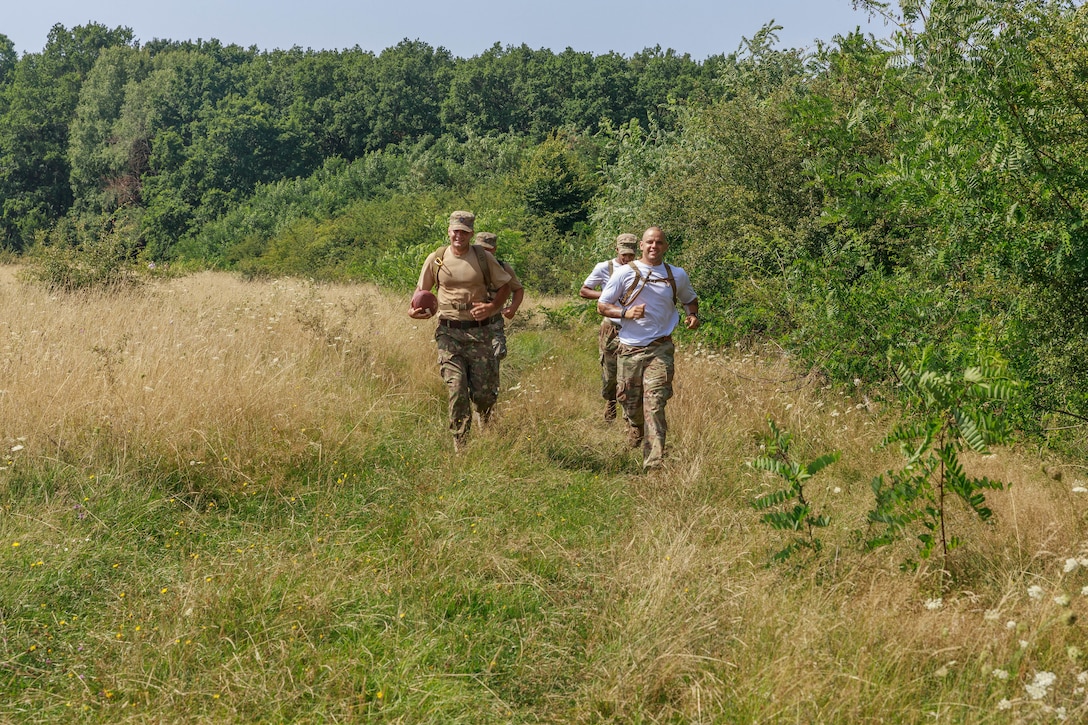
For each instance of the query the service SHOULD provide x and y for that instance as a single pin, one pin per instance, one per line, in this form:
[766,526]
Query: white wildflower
[1038,688]
[932,604]
[1004,705]
[1011,624]
[1082,678]
[1000,674]
[1070,565]
[1062,600]
[1059,713]
[836,490]
[1035,591]
[991,615]
[1023,644]
[1080,489]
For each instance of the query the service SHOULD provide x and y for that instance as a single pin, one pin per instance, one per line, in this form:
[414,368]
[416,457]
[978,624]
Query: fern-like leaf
[774,498]
[822,462]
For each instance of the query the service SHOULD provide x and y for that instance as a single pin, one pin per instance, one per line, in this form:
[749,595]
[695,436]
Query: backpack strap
[481,257]
[610,267]
[672,282]
[439,263]
[633,291]
[635,288]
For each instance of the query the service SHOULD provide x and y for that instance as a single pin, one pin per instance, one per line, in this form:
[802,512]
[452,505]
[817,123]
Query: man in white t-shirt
[643,297]
[607,342]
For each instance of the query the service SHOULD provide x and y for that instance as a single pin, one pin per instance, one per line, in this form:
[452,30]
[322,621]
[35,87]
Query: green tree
[40,101]
[409,82]
[483,94]
[8,60]
[107,163]
[557,184]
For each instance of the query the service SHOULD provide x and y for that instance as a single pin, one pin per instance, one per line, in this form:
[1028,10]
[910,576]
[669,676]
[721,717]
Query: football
[425,299]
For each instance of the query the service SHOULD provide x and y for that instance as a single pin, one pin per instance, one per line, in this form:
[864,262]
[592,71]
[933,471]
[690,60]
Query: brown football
[425,299]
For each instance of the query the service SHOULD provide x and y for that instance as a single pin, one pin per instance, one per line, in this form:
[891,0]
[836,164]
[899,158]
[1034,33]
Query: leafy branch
[799,517]
[951,413]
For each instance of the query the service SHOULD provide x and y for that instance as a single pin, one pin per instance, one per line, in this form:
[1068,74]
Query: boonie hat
[463,220]
[627,244]
[486,240]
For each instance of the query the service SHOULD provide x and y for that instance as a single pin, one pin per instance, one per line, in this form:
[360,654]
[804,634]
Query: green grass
[326,557]
[393,581]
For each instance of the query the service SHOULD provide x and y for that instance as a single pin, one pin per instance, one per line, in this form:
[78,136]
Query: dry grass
[191,368]
[257,475]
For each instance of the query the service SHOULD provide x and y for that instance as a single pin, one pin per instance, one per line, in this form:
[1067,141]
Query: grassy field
[228,501]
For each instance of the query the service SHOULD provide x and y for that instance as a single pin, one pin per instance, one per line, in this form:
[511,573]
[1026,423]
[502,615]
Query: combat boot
[634,436]
[609,411]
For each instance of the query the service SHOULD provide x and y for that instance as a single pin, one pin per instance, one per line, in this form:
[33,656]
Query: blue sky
[467,28]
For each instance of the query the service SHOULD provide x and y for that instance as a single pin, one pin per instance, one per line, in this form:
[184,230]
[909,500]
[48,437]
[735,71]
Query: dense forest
[855,203]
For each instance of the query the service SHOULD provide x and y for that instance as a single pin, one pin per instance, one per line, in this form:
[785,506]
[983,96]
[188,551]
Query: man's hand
[419,313]
[482,310]
[509,313]
[691,321]
[637,312]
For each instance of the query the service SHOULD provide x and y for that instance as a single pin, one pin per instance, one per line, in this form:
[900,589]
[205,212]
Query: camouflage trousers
[470,370]
[644,386]
[498,337]
[608,344]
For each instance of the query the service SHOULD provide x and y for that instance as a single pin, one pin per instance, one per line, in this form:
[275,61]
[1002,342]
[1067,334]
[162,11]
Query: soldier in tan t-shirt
[471,289]
[489,241]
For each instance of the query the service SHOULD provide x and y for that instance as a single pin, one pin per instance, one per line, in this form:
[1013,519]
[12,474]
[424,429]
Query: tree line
[183,131]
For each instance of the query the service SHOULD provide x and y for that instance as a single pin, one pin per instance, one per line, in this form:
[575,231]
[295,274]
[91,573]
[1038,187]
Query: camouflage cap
[463,220]
[627,244]
[486,240]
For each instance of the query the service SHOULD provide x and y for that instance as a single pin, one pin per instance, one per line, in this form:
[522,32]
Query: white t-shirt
[661,315]
[600,275]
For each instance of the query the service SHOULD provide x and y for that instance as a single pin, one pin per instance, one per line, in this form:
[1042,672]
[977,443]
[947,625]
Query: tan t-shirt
[459,280]
[515,283]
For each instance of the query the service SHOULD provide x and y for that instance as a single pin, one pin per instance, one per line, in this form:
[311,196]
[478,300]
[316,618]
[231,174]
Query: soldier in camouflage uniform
[488,241]
[607,337]
[471,289]
[643,296]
